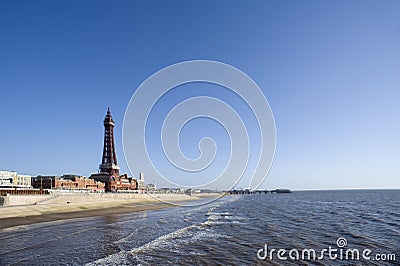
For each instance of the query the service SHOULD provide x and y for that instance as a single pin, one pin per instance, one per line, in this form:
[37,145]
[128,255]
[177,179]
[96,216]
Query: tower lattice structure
[109,161]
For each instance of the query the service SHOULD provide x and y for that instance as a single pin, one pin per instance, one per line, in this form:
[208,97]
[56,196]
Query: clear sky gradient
[329,69]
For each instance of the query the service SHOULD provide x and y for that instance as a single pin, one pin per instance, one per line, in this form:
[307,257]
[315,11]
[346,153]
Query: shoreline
[11,216]
[126,208]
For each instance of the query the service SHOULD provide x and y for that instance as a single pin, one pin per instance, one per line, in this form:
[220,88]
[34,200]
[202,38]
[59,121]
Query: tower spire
[109,161]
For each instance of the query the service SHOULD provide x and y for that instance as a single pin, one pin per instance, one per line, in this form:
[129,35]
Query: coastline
[11,216]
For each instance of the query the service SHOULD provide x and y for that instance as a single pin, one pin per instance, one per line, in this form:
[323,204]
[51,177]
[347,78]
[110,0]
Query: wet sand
[11,216]
[83,212]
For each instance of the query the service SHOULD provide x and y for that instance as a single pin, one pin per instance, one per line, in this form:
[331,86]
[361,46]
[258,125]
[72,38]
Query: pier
[248,191]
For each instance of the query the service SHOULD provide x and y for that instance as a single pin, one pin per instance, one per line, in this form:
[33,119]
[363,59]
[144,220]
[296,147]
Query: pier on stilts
[248,191]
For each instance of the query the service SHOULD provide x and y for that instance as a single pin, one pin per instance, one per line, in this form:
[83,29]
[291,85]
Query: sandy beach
[70,206]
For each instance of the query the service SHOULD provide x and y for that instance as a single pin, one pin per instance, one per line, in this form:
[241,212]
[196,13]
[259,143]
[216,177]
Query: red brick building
[115,184]
[68,182]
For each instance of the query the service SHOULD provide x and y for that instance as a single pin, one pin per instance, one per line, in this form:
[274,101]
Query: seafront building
[141,182]
[11,179]
[23,181]
[67,182]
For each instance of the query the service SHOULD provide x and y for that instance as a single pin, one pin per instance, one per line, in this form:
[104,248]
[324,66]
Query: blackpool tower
[109,168]
[109,161]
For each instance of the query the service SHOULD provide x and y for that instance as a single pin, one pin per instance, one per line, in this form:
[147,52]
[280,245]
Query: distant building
[44,182]
[10,179]
[77,182]
[7,178]
[113,183]
[23,181]
[67,182]
[141,182]
[165,190]
[151,187]
[109,168]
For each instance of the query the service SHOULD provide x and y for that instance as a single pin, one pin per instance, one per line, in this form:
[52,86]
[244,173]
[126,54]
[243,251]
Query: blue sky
[329,69]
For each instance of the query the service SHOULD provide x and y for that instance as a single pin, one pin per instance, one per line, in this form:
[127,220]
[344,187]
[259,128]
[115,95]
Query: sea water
[234,230]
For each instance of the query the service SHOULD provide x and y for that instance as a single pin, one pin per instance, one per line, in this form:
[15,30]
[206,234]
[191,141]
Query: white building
[10,179]
[23,181]
[7,178]
[151,187]
[141,182]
